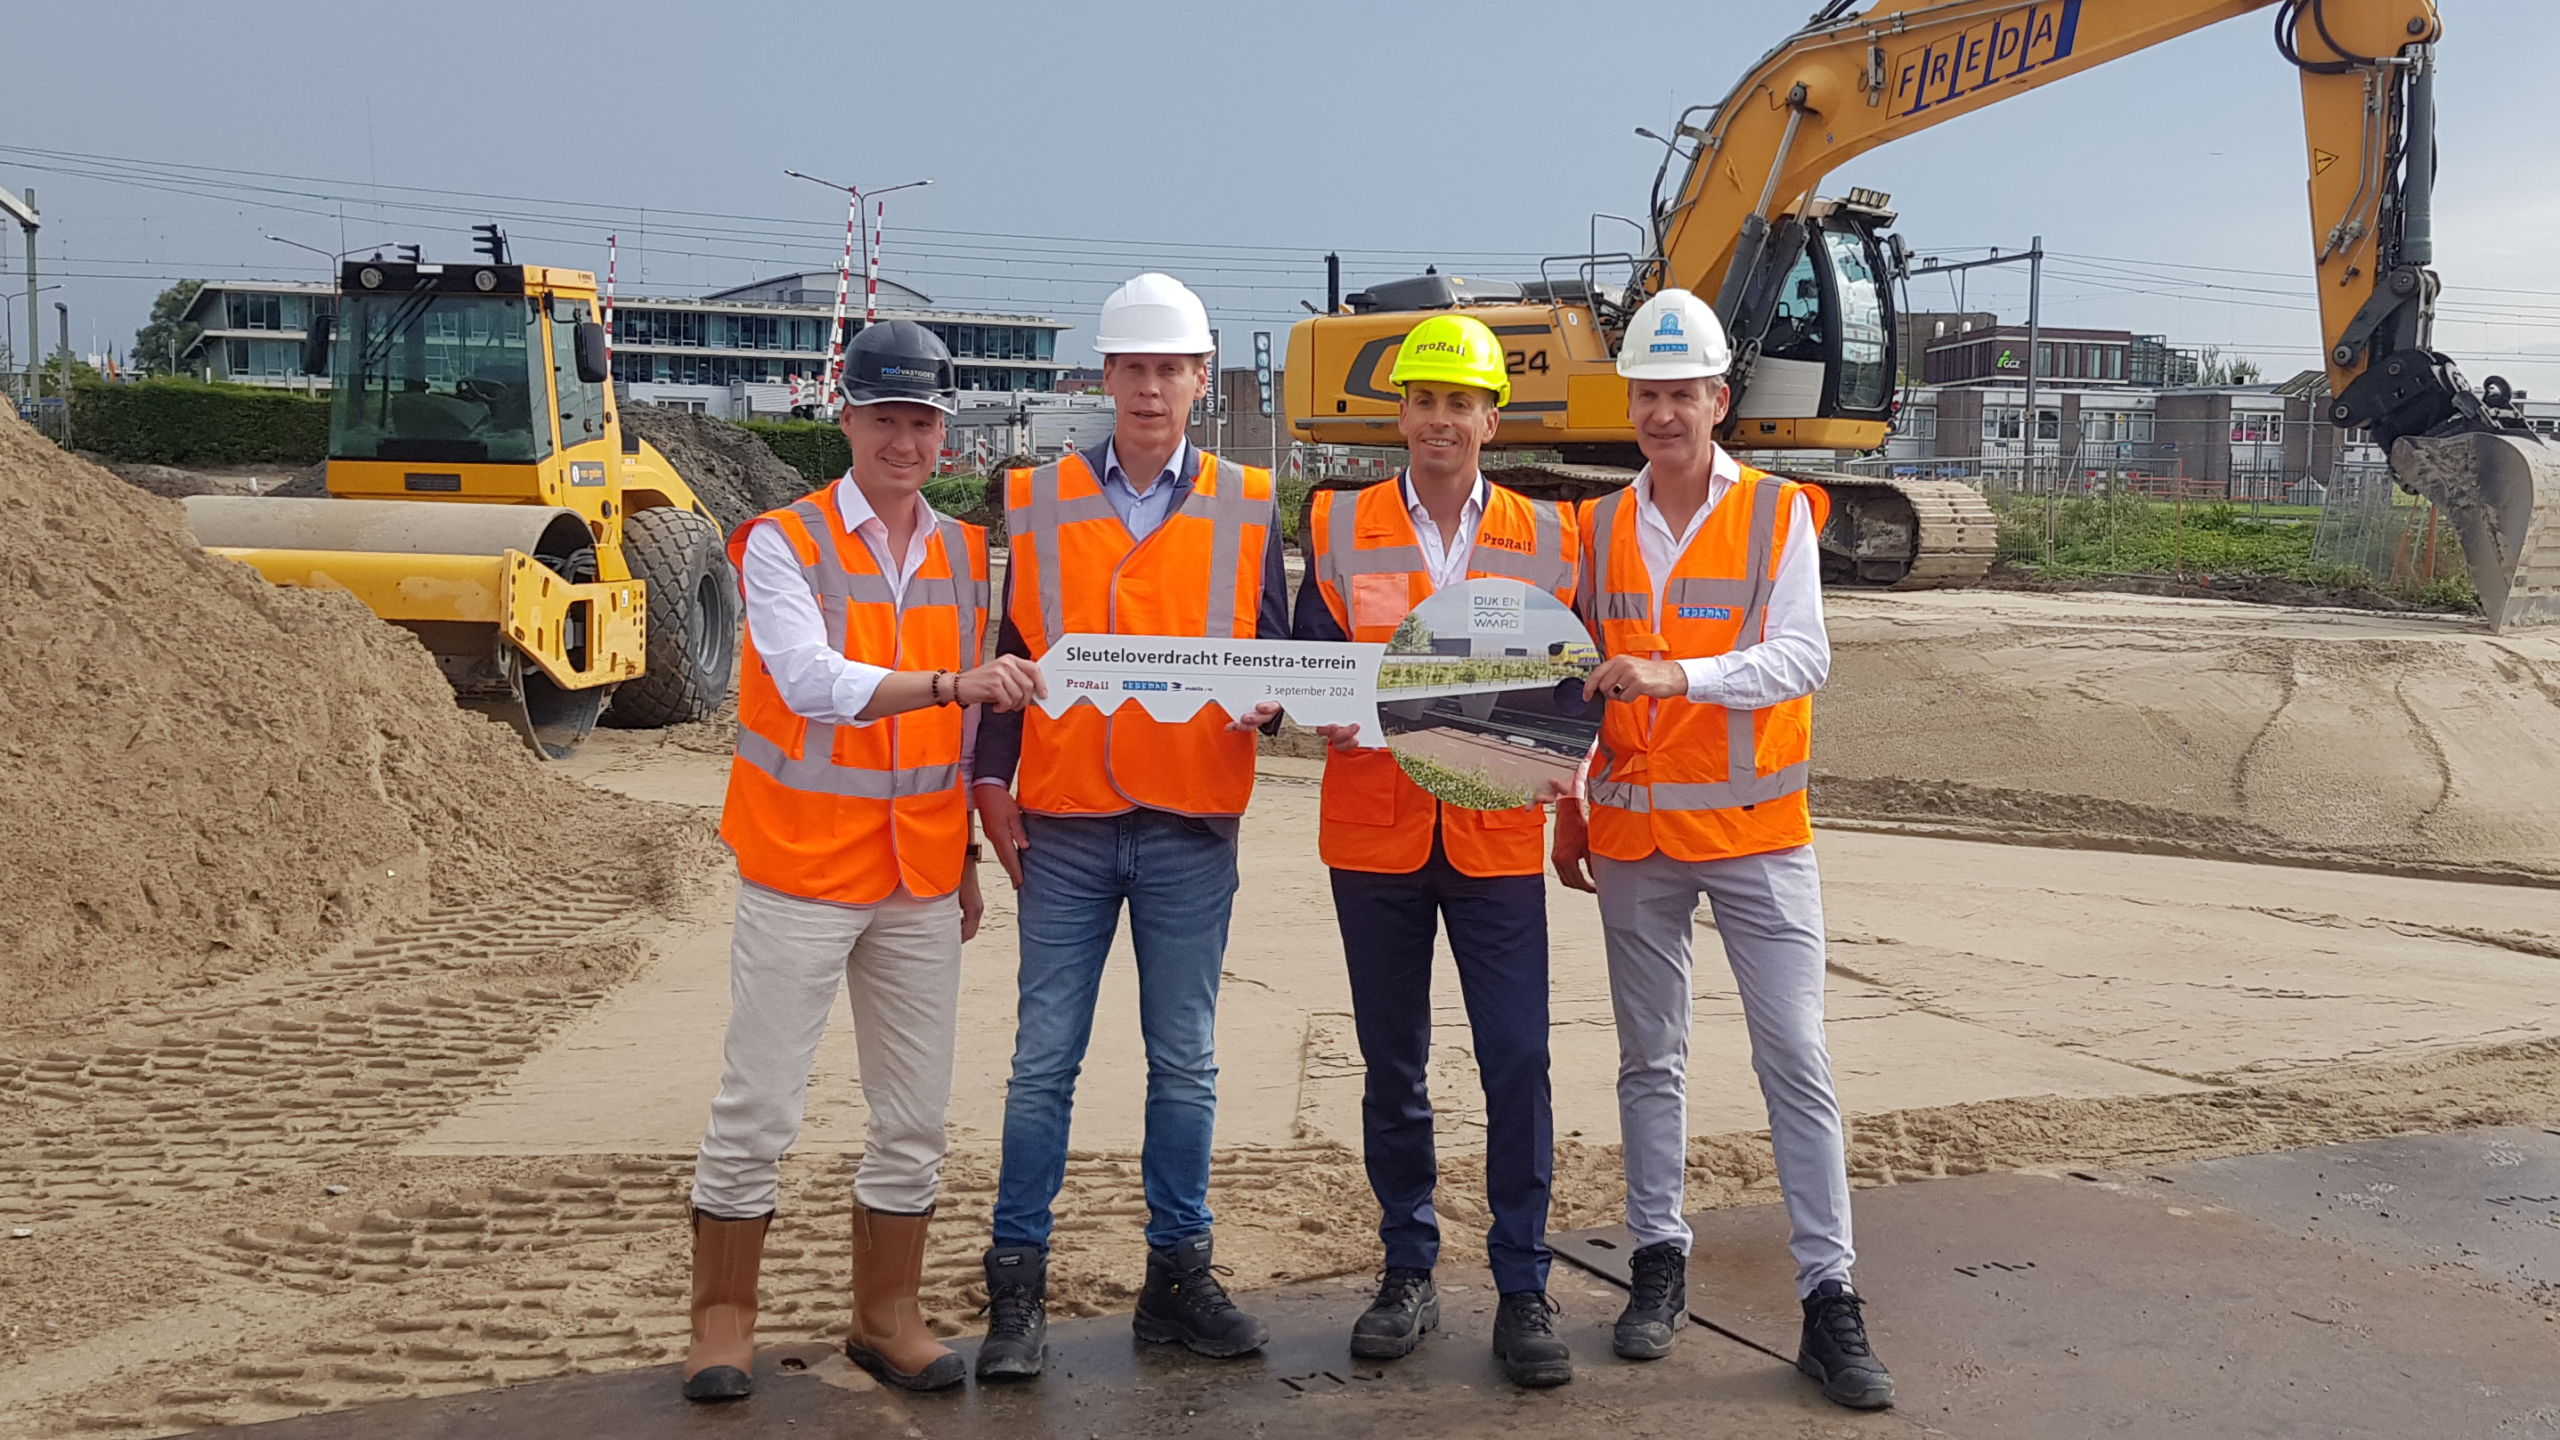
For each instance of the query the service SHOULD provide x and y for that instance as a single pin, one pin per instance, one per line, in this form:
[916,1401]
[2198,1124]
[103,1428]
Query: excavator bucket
[504,597]
[2502,494]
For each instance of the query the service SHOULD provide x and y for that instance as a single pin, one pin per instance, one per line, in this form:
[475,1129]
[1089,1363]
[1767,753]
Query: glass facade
[997,342]
[984,377]
[261,359]
[253,311]
[711,369]
[796,345]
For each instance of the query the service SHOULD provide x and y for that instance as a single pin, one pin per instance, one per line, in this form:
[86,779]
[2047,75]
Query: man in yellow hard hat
[1404,864]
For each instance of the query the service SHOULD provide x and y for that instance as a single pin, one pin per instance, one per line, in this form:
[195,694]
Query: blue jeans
[1179,878]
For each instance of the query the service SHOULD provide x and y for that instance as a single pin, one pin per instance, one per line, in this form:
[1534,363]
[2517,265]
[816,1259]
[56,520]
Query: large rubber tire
[693,620]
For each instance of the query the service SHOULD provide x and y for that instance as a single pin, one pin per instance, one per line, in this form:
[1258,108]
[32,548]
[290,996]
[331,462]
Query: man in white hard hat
[1702,582]
[1143,534]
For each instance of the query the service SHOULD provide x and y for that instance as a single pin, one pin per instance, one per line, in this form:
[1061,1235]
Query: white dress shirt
[814,678]
[1446,562]
[1793,656]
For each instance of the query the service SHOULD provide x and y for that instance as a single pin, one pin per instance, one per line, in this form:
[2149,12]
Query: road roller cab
[484,496]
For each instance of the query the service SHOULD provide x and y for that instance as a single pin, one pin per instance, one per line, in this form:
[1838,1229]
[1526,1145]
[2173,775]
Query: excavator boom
[1802,283]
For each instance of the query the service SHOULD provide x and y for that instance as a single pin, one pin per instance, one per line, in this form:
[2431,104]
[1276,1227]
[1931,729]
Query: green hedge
[815,448]
[188,422]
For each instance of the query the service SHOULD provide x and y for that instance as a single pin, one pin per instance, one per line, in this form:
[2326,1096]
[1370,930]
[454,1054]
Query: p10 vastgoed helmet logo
[1952,67]
[1677,344]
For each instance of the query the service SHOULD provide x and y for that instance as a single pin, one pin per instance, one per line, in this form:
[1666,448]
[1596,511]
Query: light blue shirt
[1142,513]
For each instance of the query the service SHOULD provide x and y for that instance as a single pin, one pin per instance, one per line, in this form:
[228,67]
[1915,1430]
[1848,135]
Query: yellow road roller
[484,496]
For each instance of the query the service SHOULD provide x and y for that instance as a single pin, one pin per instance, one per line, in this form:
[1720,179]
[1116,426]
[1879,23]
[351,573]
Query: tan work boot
[720,1363]
[890,1338]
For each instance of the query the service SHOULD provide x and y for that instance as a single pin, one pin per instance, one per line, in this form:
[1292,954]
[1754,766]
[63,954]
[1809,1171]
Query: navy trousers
[1498,934]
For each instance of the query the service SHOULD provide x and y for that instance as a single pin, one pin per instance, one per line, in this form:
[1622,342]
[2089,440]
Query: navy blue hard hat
[899,360]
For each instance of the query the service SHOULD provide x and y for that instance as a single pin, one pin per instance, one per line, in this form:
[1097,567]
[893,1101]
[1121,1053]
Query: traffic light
[491,241]
[1262,366]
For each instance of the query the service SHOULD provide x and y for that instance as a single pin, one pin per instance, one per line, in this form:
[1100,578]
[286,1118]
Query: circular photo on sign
[1481,693]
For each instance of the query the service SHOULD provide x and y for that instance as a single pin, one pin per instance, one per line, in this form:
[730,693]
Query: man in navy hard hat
[866,614]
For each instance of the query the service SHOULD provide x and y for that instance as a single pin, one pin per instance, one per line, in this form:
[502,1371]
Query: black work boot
[1017,1311]
[1184,1302]
[1657,1302]
[1836,1351]
[1525,1343]
[1407,1305]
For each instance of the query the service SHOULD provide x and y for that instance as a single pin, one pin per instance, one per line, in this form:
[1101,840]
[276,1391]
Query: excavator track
[1884,533]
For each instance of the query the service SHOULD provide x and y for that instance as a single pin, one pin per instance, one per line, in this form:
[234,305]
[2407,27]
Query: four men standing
[1700,582]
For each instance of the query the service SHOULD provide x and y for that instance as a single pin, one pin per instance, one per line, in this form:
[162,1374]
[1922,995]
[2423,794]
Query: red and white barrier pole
[612,257]
[871,267]
[844,280]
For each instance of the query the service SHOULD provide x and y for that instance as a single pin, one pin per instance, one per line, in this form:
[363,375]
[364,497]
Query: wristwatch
[975,852]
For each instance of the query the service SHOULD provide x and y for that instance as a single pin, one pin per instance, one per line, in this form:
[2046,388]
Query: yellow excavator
[1803,284]
[484,496]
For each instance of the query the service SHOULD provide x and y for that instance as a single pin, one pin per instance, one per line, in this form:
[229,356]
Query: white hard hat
[1153,315]
[1674,336]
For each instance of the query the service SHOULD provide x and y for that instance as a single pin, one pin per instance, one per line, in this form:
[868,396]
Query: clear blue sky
[1071,146]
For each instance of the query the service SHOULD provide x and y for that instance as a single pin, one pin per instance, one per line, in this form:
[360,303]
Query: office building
[730,353]
[733,352]
[252,331]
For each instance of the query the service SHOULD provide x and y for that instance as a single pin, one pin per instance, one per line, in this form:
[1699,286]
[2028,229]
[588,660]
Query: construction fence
[2369,525]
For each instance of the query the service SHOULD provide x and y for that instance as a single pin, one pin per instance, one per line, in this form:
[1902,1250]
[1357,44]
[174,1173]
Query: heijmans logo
[1144,685]
[1706,612]
[1670,326]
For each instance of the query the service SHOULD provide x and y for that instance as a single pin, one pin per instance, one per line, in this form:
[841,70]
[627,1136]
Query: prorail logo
[2004,47]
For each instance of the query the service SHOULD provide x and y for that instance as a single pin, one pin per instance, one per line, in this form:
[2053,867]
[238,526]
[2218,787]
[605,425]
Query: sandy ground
[2209,726]
[454,1154]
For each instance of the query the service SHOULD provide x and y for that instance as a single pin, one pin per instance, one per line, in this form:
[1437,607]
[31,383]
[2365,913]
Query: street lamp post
[844,271]
[28,220]
[333,257]
[309,386]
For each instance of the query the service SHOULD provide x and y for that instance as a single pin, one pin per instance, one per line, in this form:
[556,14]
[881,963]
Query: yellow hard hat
[1454,350]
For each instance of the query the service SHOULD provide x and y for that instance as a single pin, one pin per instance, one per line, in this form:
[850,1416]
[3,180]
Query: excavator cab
[1812,319]
[1813,332]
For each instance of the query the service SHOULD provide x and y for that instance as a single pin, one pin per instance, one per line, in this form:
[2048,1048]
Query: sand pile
[175,482]
[2409,739]
[200,772]
[728,467]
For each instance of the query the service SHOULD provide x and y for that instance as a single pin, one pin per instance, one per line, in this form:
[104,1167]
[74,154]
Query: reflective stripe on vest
[1373,818]
[1340,557]
[816,771]
[1078,567]
[1752,594]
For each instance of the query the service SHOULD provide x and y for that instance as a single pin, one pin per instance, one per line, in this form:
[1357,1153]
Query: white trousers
[1768,908]
[900,963]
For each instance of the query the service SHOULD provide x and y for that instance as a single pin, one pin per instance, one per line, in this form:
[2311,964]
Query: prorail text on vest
[1079,655]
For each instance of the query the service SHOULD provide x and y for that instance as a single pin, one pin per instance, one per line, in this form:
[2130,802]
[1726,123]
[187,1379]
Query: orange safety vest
[1076,569]
[1697,782]
[848,813]
[1369,567]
